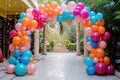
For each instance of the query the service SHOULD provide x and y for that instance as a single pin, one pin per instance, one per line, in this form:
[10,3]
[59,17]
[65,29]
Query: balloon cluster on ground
[21,59]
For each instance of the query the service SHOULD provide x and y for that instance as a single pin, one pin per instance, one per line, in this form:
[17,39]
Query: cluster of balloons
[97,62]
[51,10]
[66,16]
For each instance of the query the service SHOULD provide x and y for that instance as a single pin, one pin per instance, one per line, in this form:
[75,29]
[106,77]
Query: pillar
[86,53]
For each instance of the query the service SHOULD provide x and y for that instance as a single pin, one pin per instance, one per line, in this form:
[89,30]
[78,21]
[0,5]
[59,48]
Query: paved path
[58,67]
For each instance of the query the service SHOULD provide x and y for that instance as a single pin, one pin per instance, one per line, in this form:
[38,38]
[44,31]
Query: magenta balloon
[10,68]
[31,69]
[110,69]
[78,8]
[76,12]
[95,36]
[84,13]
[88,31]
[36,12]
[18,26]
[13,33]
[80,4]
[106,36]
[102,44]
[100,68]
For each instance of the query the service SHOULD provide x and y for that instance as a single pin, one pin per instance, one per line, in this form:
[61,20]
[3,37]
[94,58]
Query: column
[86,53]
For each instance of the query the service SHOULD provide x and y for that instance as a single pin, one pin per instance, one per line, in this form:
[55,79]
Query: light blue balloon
[88,61]
[59,18]
[20,69]
[99,16]
[25,60]
[94,44]
[19,20]
[65,15]
[71,16]
[89,38]
[90,70]
[12,60]
[27,53]
[17,53]
[93,19]
[30,38]
[92,13]
[17,62]
[22,15]
[88,8]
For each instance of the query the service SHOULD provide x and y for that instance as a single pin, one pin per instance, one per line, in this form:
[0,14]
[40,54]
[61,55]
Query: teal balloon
[17,62]
[90,70]
[89,38]
[92,13]
[12,60]
[22,15]
[17,53]
[59,18]
[88,61]
[27,53]
[19,20]
[71,16]
[65,15]
[99,16]
[20,69]
[93,19]
[88,8]
[25,60]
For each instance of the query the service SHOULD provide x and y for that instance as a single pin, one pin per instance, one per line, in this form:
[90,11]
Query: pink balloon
[80,4]
[18,26]
[110,69]
[22,49]
[13,33]
[95,36]
[82,20]
[88,46]
[11,47]
[10,68]
[64,7]
[106,36]
[77,19]
[31,69]
[28,32]
[29,11]
[102,44]
[30,16]
[88,31]
[100,68]
[72,6]
[59,8]
[84,13]
[95,60]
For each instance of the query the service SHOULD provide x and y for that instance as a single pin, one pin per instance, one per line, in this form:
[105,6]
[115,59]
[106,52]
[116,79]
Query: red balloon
[110,69]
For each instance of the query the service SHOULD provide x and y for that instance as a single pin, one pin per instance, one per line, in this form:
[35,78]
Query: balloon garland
[21,59]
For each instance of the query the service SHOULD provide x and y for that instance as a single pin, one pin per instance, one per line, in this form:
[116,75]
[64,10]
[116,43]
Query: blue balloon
[25,60]
[20,69]
[92,13]
[30,38]
[12,60]
[65,15]
[99,16]
[90,70]
[27,53]
[89,38]
[22,15]
[19,20]
[94,44]
[88,8]
[71,16]
[17,53]
[93,19]
[59,18]
[88,61]
[17,62]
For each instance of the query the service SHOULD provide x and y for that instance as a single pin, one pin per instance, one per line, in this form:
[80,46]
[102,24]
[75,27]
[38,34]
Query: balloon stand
[21,59]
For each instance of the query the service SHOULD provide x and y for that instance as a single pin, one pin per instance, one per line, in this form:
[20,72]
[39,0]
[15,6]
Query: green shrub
[52,45]
[67,43]
[72,47]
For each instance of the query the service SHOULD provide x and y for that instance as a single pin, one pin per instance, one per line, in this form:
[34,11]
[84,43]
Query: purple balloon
[110,69]
[84,13]
[76,12]
[106,36]
[80,4]
[100,68]
[95,36]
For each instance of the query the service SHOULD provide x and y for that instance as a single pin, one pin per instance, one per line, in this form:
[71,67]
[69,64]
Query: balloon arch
[21,59]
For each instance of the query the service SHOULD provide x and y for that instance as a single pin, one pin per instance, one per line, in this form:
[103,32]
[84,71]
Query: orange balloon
[42,6]
[54,4]
[19,34]
[31,61]
[33,24]
[48,6]
[101,30]
[69,22]
[25,21]
[11,53]
[84,25]
[100,23]
[16,40]
[50,14]
[101,60]
[56,12]
[51,9]
[92,55]
[106,60]
[99,53]
[16,47]
[23,32]
[89,23]
[25,40]
[94,27]
[93,51]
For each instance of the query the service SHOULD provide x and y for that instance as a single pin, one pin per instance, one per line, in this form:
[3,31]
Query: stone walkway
[57,67]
